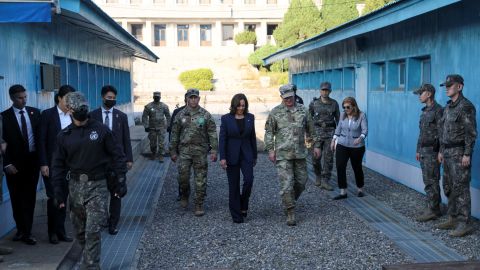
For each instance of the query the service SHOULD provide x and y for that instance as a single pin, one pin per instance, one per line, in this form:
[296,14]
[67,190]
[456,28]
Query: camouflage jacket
[458,126]
[429,125]
[193,130]
[325,117]
[154,115]
[285,132]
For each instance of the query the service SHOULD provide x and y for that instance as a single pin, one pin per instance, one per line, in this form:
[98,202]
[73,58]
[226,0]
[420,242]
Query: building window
[401,74]
[271,2]
[159,31]
[426,71]
[159,2]
[226,2]
[135,2]
[182,35]
[137,30]
[205,35]
[378,76]
[382,74]
[250,27]
[204,2]
[270,29]
[349,78]
[227,32]
[182,2]
[249,2]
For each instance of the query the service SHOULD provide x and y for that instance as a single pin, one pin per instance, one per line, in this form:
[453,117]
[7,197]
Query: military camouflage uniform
[285,134]
[428,147]
[325,117]
[156,117]
[457,138]
[192,132]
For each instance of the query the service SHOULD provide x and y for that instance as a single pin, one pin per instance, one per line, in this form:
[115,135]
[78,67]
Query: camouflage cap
[451,79]
[76,101]
[425,87]
[157,94]
[287,90]
[192,92]
[326,86]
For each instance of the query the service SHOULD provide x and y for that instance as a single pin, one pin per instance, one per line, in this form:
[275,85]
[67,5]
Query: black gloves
[121,187]
[147,129]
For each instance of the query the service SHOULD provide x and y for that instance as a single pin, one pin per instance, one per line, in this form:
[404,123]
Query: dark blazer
[232,143]
[17,147]
[49,128]
[120,130]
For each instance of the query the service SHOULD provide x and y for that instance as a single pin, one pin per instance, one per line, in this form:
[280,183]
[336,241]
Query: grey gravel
[328,235]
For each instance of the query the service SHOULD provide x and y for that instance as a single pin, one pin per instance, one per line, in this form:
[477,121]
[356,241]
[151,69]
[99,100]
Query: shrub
[247,37]
[256,57]
[278,78]
[277,66]
[197,78]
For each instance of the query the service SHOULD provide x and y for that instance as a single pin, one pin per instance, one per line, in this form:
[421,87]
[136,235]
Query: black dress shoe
[244,213]
[360,194]
[18,237]
[340,196]
[179,197]
[29,240]
[53,239]
[112,230]
[65,238]
[238,221]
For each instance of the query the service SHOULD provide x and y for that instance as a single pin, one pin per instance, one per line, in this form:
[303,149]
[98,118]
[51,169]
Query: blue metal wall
[448,45]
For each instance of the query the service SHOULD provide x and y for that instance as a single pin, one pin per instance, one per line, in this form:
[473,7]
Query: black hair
[64,89]
[16,88]
[108,88]
[236,102]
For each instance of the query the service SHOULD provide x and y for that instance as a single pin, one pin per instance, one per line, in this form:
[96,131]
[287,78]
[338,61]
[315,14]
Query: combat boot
[291,217]
[461,230]
[154,154]
[199,210]
[447,225]
[184,202]
[427,215]
[318,181]
[326,186]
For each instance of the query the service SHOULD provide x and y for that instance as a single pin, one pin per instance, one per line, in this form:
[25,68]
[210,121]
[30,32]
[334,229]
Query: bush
[278,78]
[256,57]
[247,37]
[277,66]
[197,78]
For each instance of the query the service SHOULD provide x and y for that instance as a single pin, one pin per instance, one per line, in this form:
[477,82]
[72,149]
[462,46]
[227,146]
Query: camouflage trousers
[431,177]
[88,206]
[293,176]
[200,170]
[157,140]
[456,184]
[324,165]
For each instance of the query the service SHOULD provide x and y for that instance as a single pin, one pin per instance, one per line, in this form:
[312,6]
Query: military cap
[76,101]
[425,87]
[156,94]
[287,90]
[451,79]
[326,86]
[192,92]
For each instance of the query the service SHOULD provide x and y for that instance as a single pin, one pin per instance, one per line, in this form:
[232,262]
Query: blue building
[379,59]
[72,41]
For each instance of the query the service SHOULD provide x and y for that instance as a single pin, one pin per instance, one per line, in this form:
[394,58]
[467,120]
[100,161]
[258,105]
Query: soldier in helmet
[85,150]
[325,114]
[427,150]
[155,119]
[458,132]
[285,130]
[193,130]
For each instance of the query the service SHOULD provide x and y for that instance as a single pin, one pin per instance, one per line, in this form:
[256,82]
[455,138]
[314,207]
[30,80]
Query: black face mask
[81,115]
[156,99]
[109,103]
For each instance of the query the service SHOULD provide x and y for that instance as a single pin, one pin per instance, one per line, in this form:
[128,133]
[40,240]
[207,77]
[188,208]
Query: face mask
[81,115]
[109,103]
[156,99]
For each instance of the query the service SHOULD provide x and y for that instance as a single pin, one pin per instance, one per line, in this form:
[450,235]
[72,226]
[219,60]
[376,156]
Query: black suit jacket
[17,147]
[232,143]
[120,130]
[49,128]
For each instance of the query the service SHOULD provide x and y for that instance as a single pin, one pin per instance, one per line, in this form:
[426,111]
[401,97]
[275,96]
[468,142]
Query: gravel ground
[327,235]
[409,203]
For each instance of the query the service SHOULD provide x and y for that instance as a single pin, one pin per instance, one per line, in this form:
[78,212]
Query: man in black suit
[117,121]
[21,160]
[52,121]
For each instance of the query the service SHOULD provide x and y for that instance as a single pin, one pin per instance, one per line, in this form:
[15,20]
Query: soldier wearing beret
[458,133]
[155,119]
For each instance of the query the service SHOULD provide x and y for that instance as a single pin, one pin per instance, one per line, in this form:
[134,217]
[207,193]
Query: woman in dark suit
[238,152]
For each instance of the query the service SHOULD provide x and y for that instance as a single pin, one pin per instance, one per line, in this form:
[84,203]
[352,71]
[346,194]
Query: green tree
[301,21]
[336,12]
[371,5]
[256,57]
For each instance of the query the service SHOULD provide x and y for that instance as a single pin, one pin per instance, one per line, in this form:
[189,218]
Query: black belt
[86,177]
[453,145]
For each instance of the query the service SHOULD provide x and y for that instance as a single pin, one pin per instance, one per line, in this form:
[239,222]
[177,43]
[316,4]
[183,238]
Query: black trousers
[239,201]
[22,187]
[55,216]
[115,203]
[342,155]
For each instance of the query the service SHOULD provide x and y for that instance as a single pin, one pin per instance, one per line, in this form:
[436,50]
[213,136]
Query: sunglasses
[347,107]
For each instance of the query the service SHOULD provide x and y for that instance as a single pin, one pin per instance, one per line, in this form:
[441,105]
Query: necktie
[24,125]
[107,119]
